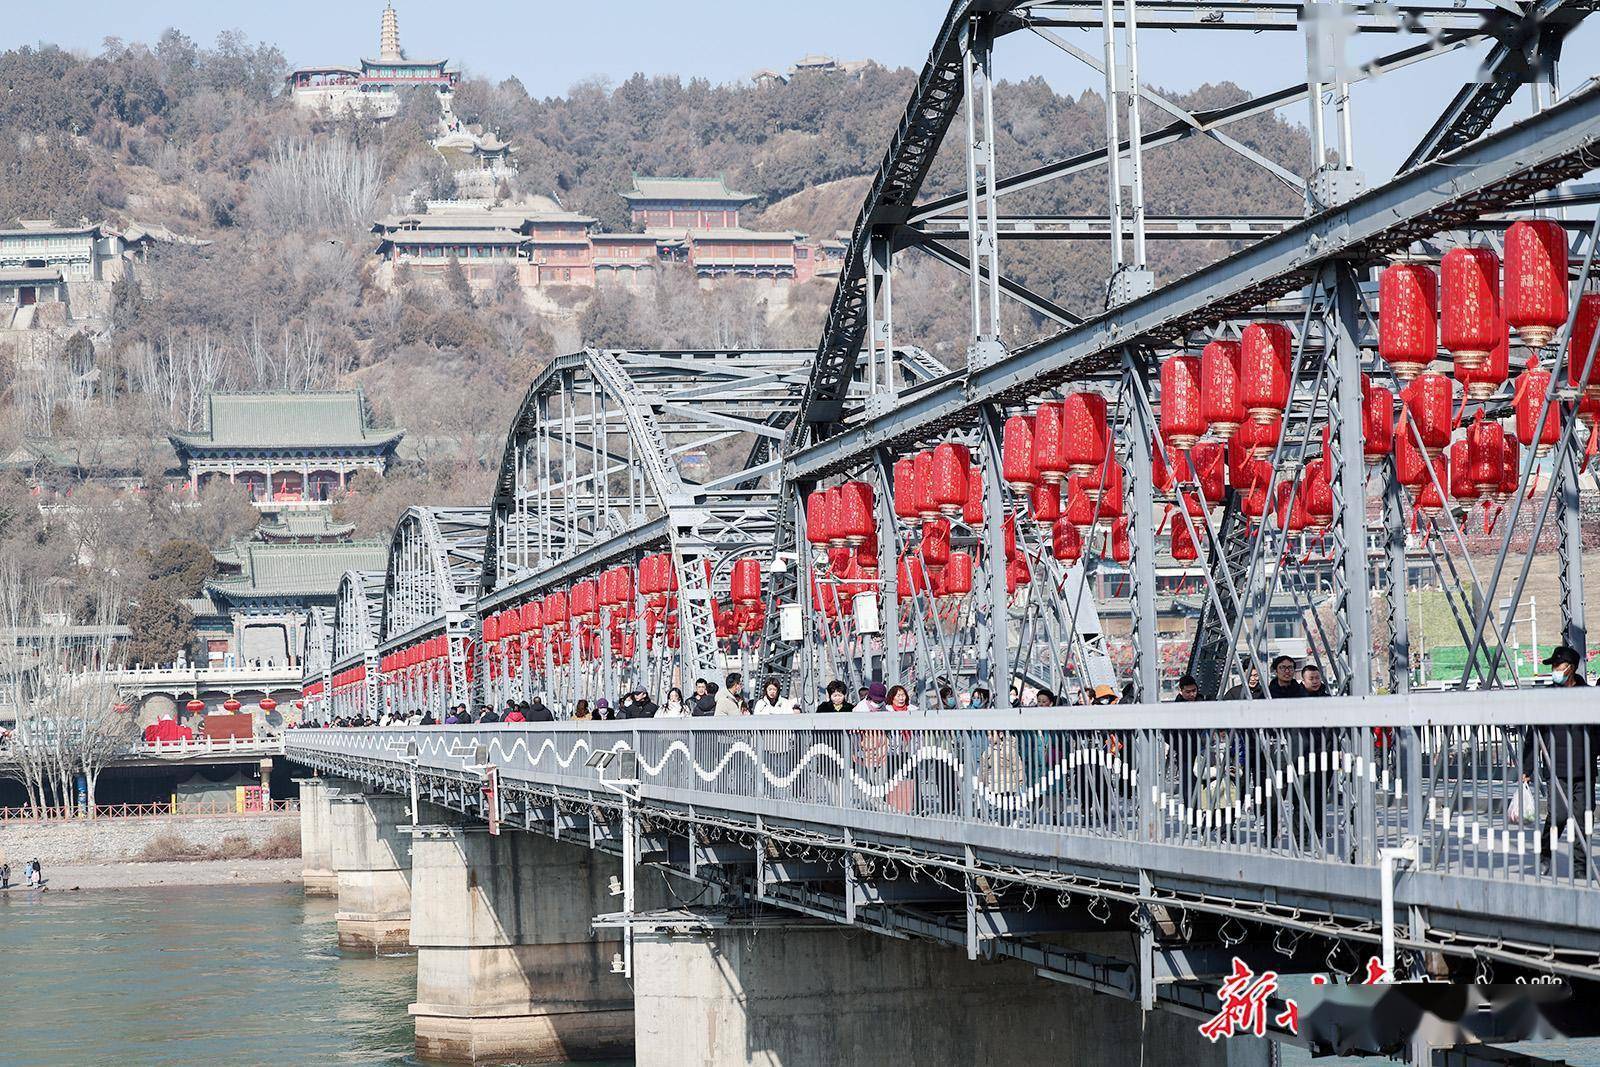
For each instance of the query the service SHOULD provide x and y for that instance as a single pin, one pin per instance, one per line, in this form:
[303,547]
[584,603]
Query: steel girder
[1484,177]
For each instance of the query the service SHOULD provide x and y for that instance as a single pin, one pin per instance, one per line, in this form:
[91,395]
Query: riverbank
[83,876]
[60,843]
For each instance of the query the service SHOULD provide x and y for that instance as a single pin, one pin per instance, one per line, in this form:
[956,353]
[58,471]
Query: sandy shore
[68,877]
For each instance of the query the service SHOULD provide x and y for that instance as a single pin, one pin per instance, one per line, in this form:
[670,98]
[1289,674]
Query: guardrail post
[969,764]
[1146,744]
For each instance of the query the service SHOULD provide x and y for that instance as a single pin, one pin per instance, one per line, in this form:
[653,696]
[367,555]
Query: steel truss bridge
[710,458]
[1209,835]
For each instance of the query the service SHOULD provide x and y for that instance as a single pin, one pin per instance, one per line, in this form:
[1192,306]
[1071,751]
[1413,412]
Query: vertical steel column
[994,561]
[1569,547]
[880,306]
[1394,550]
[1135,133]
[983,242]
[888,568]
[1113,134]
[1349,488]
[1142,541]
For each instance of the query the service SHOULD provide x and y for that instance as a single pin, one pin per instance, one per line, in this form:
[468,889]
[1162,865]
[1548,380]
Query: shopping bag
[1520,809]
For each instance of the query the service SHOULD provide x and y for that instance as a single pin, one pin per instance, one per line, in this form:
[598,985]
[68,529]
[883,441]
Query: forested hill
[280,293]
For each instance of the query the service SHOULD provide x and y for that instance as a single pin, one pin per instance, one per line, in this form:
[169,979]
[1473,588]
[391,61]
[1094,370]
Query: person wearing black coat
[537,712]
[488,715]
[642,706]
[1562,759]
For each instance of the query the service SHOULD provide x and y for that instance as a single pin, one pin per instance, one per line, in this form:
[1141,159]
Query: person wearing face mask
[1560,759]
[980,699]
[947,698]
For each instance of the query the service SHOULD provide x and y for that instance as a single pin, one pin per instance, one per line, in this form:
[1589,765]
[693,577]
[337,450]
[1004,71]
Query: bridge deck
[1233,810]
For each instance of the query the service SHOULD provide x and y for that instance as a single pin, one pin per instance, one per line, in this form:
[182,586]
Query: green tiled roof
[296,524]
[305,570]
[683,189]
[285,420]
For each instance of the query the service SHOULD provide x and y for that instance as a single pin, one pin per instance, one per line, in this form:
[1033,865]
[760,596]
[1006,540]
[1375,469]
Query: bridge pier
[372,865]
[316,837]
[795,993]
[507,967]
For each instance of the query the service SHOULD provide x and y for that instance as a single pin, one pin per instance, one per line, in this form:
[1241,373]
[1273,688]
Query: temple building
[677,204]
[255,609]
[44,265]
[369,85]
[284,449]
[731,253]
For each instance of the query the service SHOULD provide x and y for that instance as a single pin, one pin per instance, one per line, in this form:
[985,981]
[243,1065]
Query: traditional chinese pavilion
[284,448]
[676,204]
[369,85]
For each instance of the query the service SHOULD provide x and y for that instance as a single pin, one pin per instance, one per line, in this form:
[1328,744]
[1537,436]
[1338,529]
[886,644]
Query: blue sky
[549,46]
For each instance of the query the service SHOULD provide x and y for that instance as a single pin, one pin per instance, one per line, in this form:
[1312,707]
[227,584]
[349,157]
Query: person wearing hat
[1105,694]
[877,694]
[1554,756]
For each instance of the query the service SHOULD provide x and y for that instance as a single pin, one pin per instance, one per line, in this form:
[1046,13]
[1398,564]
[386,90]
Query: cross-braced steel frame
[430,587]
[1317,276]
[617,454]
[354,629]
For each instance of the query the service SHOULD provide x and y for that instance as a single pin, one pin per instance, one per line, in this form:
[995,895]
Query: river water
[230,974]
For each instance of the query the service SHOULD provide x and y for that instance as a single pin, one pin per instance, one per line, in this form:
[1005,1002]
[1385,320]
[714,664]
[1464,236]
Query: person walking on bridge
[1567,755]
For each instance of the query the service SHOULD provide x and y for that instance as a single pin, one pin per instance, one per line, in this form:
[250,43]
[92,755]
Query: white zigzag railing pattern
[1338,790]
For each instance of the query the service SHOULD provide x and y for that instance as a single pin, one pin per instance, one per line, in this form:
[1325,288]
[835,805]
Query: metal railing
[209,746]
[143,811]
[1486,784]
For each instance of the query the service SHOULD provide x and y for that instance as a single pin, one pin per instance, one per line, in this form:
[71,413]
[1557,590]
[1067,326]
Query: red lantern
[958,574]
[1183,546]
[936,543]
[1408,318]
[910,578]
[531,622]
[1430,400]
[1486,445]
[818,507]
[1461,484]
[856,514]
[1220,401]
[1528,400]
[195,706]
[1065,542]
[1255,502]
[1469,306]
[268,704]
[1583,334]
[1017,468]
[1377,420]
[1121,541]
[1430,498]
[231,705]
[1318,490]
[1160,476]
[745,584]
[1265,362]
[1049,444]
[1105,490]
[1017,574]
[1510,469]
[1484,381]
[1292,512]
[585,605]
[1411,462]
[1208,460]
[927,503]
[1085,432]
[952,467]
[1080,509]
[555,612]
[1535,299]
[1182,418]
[906,493]
[835,512]
[1046,499]
[972,510]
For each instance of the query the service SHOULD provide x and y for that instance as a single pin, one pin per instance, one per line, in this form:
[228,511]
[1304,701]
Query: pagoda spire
[389,36]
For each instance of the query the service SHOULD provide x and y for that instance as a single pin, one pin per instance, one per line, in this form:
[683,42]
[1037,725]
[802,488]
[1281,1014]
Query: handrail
[141,811]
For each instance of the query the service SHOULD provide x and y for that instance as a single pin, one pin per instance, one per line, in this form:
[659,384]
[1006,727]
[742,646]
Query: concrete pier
[372,865]
[799,994]
[507,966]
[316,837]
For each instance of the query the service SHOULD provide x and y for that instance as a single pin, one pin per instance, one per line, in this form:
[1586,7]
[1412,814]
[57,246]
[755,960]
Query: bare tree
[316,185]
[67,717]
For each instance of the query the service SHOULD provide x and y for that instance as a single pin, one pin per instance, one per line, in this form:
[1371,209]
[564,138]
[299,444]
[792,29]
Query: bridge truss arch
[614,455]
[430,587]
